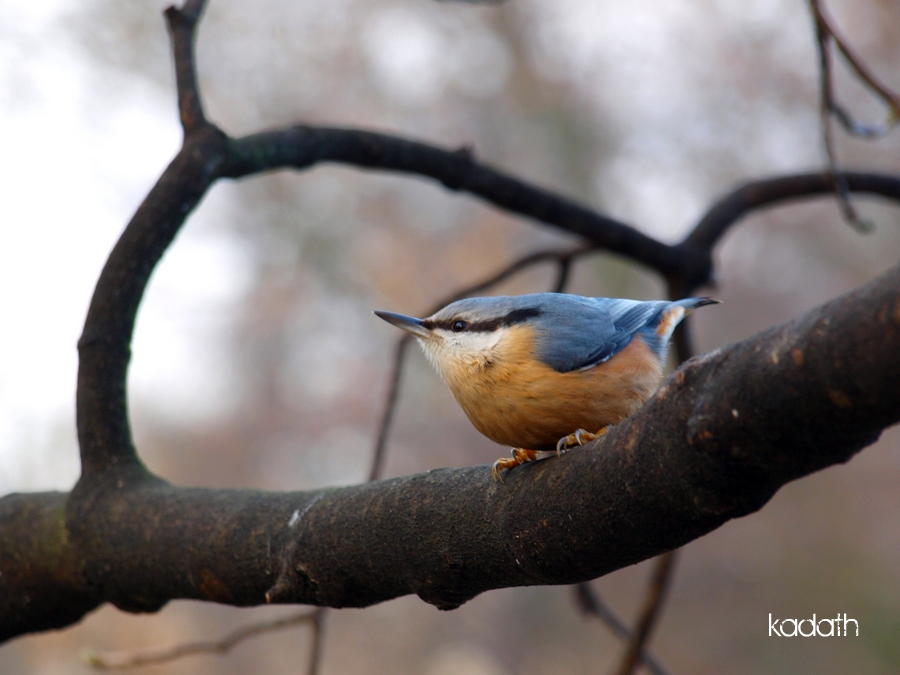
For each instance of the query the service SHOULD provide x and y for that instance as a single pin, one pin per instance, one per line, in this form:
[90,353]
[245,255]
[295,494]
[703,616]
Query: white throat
[451,353]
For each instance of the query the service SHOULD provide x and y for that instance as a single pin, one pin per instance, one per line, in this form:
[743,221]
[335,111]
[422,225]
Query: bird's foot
[580,437]
[519,456]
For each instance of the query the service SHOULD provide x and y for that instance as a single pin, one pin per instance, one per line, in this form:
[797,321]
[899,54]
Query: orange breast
[518,401]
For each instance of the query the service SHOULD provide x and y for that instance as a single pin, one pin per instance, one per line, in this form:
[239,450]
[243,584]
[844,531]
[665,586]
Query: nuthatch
[535,371]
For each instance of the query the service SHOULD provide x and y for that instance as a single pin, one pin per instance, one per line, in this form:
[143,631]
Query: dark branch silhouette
[826,33]
[829,107]
[156,655]
[590,602]
[662,576]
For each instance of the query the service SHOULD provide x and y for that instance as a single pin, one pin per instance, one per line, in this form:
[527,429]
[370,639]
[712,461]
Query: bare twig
[652,604]
[758,194]
[590,602]
[826,35]
[182,23]
[890,98]
[317,638]
[562,276]
[390,407]
[823,41]
[156,655]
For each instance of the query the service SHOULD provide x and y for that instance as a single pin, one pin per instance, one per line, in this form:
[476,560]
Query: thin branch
[156,655]
[303,146]
[590,602]
[890,98]
[757,194]
[318,638]
[650,612]
[390,407]
[826,105]
[826,34]
[182,25]
[562,274]
[562,257]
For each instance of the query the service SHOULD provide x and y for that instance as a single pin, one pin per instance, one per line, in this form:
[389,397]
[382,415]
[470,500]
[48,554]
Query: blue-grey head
[565,332]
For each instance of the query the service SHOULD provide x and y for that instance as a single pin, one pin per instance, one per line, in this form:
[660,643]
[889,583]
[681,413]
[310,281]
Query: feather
[576,333]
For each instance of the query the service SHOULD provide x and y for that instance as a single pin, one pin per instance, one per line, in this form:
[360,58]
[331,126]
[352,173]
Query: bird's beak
[408,323]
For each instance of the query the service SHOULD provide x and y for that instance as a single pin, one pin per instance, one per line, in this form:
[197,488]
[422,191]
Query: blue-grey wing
[576,332]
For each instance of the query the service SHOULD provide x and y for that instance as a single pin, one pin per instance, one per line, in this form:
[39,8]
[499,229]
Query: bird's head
[474,333]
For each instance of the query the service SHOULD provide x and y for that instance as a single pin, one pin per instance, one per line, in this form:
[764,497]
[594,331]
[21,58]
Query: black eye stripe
[521,315]
[514,317]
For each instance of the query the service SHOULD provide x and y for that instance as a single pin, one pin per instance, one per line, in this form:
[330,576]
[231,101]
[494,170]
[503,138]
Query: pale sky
[73,174]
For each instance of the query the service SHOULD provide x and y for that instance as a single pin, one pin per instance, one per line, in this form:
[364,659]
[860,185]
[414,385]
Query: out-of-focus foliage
[646,110]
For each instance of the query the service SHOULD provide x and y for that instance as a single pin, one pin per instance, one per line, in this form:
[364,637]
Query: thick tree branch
[720,437]
[41,581]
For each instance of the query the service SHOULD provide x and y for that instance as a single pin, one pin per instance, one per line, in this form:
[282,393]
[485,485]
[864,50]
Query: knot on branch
[456,173]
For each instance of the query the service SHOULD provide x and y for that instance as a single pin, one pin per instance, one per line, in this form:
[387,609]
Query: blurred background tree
[256,336]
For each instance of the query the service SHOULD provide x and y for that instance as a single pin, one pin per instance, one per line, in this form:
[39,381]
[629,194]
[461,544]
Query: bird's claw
[579,437]
[519,456]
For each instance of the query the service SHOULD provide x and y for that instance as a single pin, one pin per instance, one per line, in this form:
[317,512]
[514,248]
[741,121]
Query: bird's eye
[459,326]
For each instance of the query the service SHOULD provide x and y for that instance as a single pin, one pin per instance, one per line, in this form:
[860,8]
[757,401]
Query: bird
[547,372]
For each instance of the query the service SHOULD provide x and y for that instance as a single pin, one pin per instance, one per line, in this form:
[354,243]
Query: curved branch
[772,191]
[104,351]
[303,146]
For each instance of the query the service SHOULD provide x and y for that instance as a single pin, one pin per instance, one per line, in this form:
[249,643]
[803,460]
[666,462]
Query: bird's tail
[690,304]
[676,311]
